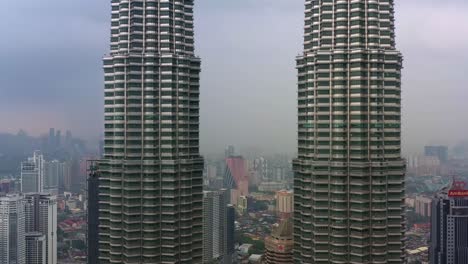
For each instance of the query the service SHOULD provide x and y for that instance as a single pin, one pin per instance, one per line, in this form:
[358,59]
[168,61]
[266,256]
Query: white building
[12,230]
[41,216]
[32,173]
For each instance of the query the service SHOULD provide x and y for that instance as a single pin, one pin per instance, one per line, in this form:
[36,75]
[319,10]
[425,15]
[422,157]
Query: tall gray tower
[349,174]
[150,185]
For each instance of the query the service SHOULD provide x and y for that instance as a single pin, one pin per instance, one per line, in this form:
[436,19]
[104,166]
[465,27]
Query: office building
[449,227]
[214,224]
[422,205]
[53,172]
[279,246]
[236,178]
[36,248]
[151,175]
[440,152]
[230,253]
[12,230]
[41,216]
[349,174]
[284,203]
[32,173]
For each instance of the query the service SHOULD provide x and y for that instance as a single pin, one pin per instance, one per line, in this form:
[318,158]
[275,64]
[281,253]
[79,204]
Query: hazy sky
[50,69]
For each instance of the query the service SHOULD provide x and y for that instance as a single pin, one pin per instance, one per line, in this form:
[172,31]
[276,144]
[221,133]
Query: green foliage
[258,245]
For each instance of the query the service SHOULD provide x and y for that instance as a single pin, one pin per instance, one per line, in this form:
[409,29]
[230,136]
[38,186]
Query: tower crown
[349,24]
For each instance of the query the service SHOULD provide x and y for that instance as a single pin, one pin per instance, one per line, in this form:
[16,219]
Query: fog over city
[51,76]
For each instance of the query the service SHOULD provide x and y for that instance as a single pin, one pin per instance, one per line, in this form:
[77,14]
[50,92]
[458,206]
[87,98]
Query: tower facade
[32,173]
[12,230]
[150,185]
[349,174]
[41,216]
[279,246]
[449,227]
[36,248]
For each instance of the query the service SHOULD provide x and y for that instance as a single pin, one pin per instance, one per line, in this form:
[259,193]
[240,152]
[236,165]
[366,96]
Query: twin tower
[349,175]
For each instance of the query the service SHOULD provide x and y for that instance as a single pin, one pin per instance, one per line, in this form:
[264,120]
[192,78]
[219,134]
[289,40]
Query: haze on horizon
[51,74]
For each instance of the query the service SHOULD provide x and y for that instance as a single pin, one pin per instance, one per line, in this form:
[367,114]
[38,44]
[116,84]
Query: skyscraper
[349,174]
[449,227]
[279,246]
[151,175]
[41,216]
[217,222]
[36,248]
[32,173]
[53,171]
[12,230]
[284,203]
[236,178]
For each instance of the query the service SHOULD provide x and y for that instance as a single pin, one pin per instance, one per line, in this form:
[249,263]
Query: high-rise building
[284,203]
[36,248]
[229,255]
[151,175]
[93,215]
[440,152]
[53,172]
[32,173]
[58,139]
[214,224]
[279,246]
[236,178]
[51,139]
[422,205]
[449,227]
[349,174]
[41,216]
[12,230]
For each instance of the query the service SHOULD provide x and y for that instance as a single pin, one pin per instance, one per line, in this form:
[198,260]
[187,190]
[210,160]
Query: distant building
[284,203]
[229,152]
[7,186]
[271,186]
[441,152]
[32,173]
[424,165]
[216,226]
[41,216]
[53,171]
[261,167]
[236,178]
[12,230]
[279,246]
[242,205]
[449,227]
[422,205]
[36,248]
[230,234]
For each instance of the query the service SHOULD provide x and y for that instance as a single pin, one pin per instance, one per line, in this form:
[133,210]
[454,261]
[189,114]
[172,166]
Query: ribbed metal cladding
[150,189]
[349,174]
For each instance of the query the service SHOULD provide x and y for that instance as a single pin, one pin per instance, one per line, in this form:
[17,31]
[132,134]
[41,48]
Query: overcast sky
[50,69]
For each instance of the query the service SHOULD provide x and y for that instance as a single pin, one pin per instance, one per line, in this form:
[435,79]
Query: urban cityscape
[362,181]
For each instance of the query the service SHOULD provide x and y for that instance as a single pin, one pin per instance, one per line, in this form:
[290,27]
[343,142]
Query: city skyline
[84,33]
